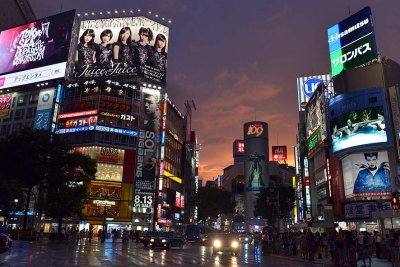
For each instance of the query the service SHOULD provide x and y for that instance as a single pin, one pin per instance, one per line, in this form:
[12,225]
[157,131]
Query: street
[24,253]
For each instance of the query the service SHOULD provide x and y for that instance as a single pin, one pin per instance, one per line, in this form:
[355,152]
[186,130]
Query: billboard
[358,119]
[315,120]
[352,41]
[36,51]
[279,153]
[115,47]
[148,139]
[308,84]
[103,154]
[5,105]
[44,109]
[367,174]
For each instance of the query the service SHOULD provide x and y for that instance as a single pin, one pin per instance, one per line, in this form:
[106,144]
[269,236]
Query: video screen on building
[367,174]
[358,120]
[36,51]
[115,47]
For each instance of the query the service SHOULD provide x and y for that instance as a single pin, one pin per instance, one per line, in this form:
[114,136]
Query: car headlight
[164,240]
[235,244]
[152,240]
[217,243]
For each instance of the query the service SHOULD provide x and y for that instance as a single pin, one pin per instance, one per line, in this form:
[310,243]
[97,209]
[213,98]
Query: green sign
[353,55]
[314,141]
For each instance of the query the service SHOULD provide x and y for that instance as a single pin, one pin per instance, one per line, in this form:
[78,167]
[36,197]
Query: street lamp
[104,233]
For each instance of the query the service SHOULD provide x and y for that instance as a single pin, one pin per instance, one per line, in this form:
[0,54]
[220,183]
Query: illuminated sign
[124,117]
[104,203]
[97,128]
[367,174]
[103,154]
[352,42]
[358,120]
[308,84]
[314,141]
[79,122]
[328,173]
[44,109]
[36,51]
[172,177]
[5,105]
[177,199]
[255,129]
[315,114]
[279,153]
[78,114]
[145,55]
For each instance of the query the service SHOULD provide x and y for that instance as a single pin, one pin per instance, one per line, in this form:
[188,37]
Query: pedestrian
[394,249]
[310,244]
[367,249]
[90,234]
[377,242]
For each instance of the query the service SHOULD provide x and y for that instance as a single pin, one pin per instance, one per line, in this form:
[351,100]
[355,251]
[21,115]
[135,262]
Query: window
[33,98]
[21,100]
[5,129]
[19,114]
[16,127]
[30,112]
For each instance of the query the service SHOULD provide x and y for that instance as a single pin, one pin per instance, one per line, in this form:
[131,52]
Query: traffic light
[395,201]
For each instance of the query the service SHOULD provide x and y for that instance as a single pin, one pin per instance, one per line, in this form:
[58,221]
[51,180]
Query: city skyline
[239,61]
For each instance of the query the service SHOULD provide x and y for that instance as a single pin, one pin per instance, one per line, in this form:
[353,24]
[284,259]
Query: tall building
[15,12]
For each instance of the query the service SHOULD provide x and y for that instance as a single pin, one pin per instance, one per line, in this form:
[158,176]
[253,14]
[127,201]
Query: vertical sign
[5,105]
[44,109]
[147,149]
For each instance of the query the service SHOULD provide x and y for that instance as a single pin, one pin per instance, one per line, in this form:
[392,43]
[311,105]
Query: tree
[267,203]
[23,159]
[212,202]
[10,198]
[67,184]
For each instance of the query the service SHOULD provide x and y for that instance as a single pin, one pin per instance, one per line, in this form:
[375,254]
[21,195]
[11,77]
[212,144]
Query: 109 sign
[143,201]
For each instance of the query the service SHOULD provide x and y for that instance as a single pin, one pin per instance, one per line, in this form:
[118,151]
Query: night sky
[239,60]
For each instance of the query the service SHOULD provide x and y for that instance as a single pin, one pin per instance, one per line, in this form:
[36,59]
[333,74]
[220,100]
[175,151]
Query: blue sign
[310,85]
[42,119]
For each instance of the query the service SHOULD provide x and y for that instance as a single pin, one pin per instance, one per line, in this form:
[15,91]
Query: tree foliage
[34,159]
[211,202]
[267,205]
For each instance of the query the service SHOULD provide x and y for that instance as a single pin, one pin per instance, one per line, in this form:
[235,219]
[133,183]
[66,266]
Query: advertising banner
[148,140]
[307,85]
[367,174]
[279,153]
[78,122]
[352,41]
[358,119]
[44,109]
[129,46]
[36,51]
[315,114]
[103,154]
[5,105]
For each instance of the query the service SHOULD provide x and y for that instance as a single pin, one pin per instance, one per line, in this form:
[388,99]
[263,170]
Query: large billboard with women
[358,120]
[129,46]
[37,51]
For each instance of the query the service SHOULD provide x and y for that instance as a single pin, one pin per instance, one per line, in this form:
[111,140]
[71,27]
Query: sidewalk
[327,262]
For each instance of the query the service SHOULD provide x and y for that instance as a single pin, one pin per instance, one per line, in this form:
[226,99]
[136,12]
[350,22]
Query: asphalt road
[37,254]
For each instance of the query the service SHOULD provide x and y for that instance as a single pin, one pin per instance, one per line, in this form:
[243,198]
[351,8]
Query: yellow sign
[172,177]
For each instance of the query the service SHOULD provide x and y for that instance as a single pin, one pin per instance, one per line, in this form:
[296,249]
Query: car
[225,242]
[245,238]
[167,240]
[145,237]
[5,243]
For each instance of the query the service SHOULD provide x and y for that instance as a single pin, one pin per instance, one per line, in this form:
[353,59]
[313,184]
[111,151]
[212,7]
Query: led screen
[358,120]
[115,47]
[42,47]
[367,174]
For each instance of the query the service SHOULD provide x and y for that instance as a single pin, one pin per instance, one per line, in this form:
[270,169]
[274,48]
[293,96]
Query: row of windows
[79,93]
[93,137]
[7,129]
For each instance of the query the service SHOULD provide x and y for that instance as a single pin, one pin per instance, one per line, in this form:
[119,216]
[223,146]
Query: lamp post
[104,233]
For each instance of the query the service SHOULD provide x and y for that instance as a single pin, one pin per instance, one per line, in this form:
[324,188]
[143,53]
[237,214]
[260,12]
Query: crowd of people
[343,248]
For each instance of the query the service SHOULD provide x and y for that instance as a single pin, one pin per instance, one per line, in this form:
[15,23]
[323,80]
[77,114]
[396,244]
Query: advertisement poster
[5,105]
[44,109]
[148,140]
[279,153]
[37,45]
[115,47]
[367,174]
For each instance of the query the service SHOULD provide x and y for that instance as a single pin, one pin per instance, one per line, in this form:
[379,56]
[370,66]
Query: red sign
[5,105]
[178,200]
[79,122]
[182,201]
[241,147]
[78,114]
[279,153]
